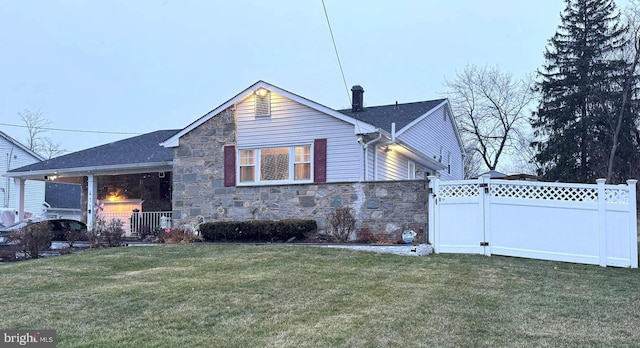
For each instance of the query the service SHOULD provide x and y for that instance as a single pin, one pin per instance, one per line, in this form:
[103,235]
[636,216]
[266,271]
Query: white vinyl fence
[582,223]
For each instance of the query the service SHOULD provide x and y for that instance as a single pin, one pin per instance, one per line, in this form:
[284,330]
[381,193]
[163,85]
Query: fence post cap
[601,180]
[632,181]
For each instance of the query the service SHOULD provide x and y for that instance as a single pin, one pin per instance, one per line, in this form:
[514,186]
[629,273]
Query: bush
[256,231]
[364,235]
[341,223]
[73,235]
[145,232]
[107,233]
[176,235]
[32,239]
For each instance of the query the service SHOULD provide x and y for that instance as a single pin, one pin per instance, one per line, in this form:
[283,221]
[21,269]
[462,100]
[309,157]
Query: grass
[203,295]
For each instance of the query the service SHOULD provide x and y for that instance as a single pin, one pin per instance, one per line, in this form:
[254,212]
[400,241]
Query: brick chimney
[357,98]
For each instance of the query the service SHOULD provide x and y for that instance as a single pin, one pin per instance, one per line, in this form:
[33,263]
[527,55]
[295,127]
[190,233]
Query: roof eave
[81,171]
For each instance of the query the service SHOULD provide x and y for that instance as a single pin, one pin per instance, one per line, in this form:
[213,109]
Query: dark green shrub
[256,231]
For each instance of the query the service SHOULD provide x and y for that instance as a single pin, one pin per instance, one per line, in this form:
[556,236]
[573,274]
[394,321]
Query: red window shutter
[229,166]
[320,160]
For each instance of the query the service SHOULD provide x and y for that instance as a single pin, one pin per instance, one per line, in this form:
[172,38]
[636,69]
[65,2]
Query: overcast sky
[139,66]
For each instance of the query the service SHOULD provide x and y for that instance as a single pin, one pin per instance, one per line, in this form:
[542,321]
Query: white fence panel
[583,223]
[459,214]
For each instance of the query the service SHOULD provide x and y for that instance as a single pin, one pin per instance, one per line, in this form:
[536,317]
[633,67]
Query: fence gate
[583,223]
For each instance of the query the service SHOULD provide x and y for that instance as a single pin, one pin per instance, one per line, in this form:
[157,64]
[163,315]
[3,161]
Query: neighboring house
[15,155]
[267,153]
[62,201]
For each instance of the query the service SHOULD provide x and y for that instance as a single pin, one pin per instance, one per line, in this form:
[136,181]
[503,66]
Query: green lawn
[204,295]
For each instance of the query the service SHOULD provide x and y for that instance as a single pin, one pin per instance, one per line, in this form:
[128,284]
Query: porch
[135,223]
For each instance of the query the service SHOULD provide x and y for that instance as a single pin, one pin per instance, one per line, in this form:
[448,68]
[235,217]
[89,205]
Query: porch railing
[140,222]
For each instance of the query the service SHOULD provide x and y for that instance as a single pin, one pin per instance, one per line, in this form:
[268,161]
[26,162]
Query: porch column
[19,183]
[92,200]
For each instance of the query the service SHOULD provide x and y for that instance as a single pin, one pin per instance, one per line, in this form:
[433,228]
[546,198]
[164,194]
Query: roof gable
[360,126]
[22,147]
[403,115]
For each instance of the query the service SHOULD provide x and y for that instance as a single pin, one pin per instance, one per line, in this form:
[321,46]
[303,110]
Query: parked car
[58,228]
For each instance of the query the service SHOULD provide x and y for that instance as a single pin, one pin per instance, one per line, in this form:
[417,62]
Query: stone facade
[384,207]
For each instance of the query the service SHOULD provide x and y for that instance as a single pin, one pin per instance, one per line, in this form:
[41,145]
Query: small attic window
[262,102]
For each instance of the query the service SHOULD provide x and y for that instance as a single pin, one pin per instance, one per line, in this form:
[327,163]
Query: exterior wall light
[261,92]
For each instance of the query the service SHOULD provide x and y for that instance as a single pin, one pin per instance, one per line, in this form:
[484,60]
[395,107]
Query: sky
[140,66]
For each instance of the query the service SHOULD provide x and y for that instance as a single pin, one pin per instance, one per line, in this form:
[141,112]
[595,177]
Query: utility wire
[72,130]
[336,49]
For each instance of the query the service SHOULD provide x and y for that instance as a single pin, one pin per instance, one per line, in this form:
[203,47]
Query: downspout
[375,162]
[366,153]
[393,135]
[7,194]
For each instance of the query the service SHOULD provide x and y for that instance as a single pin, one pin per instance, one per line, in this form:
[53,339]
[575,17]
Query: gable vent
[263,103]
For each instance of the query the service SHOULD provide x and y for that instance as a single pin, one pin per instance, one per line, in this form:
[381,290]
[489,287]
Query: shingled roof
[401,114]
[139,149]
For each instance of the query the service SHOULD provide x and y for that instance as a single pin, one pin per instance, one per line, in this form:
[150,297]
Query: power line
[336,50]
[72,130]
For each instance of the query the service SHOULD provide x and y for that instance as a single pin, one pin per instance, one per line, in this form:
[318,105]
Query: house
[267,153]
[14,155]
[62,201]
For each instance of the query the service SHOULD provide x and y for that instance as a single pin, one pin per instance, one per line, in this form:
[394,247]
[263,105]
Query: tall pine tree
[581,86]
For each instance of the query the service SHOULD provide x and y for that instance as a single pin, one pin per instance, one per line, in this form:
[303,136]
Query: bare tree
[491,111]
[472,162]
[36,126]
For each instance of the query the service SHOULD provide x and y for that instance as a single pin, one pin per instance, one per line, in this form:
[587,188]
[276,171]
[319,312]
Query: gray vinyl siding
[292,123]
[391,165]
[11,157]
[430,134]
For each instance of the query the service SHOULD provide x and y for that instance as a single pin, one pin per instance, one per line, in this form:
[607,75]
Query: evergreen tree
[581,86]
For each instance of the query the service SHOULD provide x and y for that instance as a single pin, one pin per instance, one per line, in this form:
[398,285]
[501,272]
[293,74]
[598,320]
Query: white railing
[140,222]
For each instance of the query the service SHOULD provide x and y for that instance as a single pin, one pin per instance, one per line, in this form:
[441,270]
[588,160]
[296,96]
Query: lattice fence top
[459,190]
[557,193]
[583,193]
[616,195]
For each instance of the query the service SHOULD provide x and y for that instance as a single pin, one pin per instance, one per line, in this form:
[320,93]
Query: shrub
[145,232]
[73,235]
[109,233]
[341,223]
[256,231]
[364,235]
[32,239]
[176,235]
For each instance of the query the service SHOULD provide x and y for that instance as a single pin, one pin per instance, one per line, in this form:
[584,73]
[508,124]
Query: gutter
[88,170]
[365,147]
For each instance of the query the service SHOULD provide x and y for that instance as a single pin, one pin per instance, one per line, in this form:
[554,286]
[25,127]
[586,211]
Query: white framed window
[275,165]
[302,163]
[411,170]
[247,165]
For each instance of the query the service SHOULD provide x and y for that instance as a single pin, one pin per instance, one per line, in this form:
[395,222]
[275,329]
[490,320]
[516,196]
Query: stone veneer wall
[384,207]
